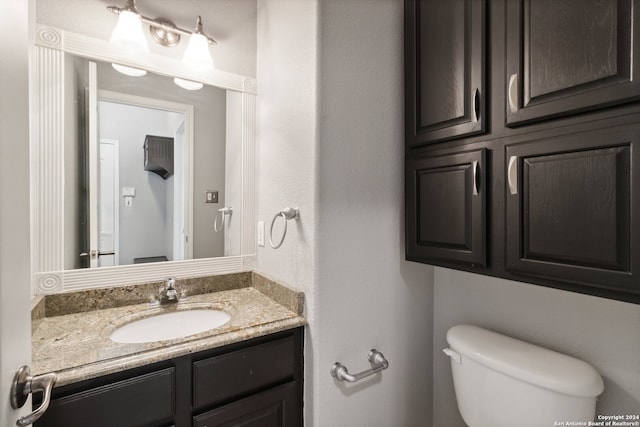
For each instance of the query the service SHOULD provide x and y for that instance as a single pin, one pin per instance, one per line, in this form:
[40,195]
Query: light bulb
[128,33]
[197,53]
[188,84]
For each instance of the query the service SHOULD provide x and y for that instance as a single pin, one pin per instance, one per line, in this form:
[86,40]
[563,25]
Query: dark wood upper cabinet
[446,198]
[554,131]
[444,69]
[567,56]
[570,207]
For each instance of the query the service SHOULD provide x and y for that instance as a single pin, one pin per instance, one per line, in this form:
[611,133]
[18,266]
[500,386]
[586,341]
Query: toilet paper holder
[378,363]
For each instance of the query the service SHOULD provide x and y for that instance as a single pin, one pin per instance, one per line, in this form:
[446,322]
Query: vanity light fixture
[197,53]
[128,34]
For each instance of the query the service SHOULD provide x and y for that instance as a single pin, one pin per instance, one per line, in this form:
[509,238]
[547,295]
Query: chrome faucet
[169,293]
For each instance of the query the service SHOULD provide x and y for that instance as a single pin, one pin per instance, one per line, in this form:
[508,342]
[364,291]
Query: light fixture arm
[161,23]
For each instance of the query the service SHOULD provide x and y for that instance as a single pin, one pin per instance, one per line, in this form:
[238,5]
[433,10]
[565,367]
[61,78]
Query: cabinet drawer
[243,371]
[145,400]
[276,407]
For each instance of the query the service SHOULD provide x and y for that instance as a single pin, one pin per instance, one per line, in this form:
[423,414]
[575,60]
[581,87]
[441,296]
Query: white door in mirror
[168,326]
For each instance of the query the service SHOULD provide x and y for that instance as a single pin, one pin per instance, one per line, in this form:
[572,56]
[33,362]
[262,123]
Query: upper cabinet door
[444,69]
[572,208]
[445,208]
[566,56]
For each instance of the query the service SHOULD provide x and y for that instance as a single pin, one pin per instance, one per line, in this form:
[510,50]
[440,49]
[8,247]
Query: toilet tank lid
[525,361]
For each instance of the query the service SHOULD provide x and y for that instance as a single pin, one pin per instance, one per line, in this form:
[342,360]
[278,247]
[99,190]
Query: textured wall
[331,142]
[368,295]
[600,331]
[286,154]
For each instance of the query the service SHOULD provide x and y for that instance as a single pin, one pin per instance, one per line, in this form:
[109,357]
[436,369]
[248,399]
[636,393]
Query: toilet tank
[500,381]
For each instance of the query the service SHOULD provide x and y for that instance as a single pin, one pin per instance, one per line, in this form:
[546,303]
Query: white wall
[600,331]
[368,295]
[15,269]
[331,142]
[286,155]
[231,23]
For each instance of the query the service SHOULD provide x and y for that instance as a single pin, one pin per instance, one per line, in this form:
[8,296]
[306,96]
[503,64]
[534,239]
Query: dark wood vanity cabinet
[444,70]
[558,202]
[565,56]
[253,383]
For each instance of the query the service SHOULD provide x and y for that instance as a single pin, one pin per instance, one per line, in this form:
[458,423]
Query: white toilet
[504,382]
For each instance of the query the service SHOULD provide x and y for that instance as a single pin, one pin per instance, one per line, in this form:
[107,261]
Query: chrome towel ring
[222,213]
[287,214]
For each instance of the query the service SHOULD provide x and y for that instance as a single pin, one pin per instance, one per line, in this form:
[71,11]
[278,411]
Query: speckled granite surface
[77,346]
[291,299]
[120,296]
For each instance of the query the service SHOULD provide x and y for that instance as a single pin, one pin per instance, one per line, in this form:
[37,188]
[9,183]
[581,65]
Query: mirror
[61,167]
[156,154]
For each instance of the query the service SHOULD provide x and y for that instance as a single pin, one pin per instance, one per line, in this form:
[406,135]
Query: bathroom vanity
[256,382]
[248,371]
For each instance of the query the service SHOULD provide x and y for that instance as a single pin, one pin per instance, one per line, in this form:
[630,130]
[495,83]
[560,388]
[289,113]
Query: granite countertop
[77,347]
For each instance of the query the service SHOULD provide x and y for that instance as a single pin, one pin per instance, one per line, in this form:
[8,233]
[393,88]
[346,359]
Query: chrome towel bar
[378,363]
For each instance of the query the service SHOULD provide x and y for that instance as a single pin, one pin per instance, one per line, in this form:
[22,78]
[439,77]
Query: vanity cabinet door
[566,56]
[446,197]
[571,212]
[277,407]
[145,400]
[444,69]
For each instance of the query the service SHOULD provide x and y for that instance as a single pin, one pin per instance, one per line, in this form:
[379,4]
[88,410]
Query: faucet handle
[170,282]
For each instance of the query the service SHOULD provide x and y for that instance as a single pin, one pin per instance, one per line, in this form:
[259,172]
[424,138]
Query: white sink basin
[168,326]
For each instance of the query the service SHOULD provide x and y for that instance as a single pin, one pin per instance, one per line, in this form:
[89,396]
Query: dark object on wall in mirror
[158,155]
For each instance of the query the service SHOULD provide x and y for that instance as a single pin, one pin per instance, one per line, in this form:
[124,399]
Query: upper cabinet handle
[512,175]
[476,177]
[476,105]
[513,93]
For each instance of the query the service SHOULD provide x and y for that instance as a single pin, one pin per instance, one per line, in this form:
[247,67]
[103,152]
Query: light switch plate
[211,196]
[260,233]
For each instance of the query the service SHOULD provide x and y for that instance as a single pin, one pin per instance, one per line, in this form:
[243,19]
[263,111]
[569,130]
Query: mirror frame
[47,167]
